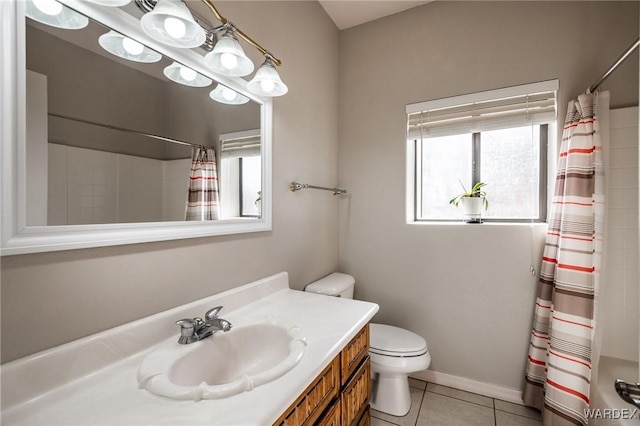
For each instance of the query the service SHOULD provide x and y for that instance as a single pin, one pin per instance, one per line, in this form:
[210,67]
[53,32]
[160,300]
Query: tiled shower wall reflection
[88,186]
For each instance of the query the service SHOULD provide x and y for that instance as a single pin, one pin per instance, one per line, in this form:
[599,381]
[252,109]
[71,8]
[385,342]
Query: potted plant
[472,202]
[258,203]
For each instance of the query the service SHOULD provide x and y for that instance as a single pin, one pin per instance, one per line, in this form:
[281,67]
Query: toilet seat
[393,341]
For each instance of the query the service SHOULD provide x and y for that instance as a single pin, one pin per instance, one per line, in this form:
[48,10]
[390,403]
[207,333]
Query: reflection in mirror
[240,185]
[90,115]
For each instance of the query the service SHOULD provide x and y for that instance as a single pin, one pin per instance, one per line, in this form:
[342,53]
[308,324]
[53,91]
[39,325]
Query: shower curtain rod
[620,60]
[122,129]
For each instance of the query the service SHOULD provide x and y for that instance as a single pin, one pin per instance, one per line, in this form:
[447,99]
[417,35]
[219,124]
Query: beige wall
[49,299]
[466,288]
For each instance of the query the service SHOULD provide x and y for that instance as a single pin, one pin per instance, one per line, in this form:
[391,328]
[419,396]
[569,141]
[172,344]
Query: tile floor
[435,405]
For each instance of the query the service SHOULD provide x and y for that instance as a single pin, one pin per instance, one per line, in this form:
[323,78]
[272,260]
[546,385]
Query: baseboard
[469,385]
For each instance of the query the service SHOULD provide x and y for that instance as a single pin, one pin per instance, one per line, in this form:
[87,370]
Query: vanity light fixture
[267,81]
[227,56]
[126,48]
[55,14]
[186,76]
[227,96]
[171,23]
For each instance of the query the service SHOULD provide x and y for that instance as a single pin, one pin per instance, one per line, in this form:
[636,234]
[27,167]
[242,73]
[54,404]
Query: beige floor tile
[520,410]
[508,419]
[412,415]
[415,383]
[465,396]
[440,410]
[379,422]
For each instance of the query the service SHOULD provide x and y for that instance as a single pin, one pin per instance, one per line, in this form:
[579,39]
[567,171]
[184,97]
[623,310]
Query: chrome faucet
[193,330]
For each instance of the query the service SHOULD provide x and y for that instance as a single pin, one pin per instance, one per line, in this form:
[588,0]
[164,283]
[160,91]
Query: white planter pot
[472,209]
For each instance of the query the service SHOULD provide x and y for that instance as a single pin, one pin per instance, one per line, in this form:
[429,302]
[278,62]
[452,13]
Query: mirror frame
[18,238]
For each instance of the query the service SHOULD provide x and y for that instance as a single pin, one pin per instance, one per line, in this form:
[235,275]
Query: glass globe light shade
[175,27]
[171,23]
[267,81]
[226,95]
[228,58]
[188,74]
[55,14]
[184,75]
[132,46]
[126,48]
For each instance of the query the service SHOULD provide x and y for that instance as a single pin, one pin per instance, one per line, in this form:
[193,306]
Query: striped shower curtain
[203,199]
[561,351]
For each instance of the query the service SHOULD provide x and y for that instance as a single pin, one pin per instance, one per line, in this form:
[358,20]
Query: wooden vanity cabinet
[355,378]
[333,415]
[355,395]
[340,395]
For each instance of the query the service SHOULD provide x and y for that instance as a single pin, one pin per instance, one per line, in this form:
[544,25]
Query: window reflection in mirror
[241,170]
[83,169]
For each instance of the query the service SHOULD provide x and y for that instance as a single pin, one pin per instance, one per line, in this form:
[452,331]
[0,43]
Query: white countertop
[92,381]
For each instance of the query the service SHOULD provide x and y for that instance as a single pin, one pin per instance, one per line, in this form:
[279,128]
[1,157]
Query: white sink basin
[225,364]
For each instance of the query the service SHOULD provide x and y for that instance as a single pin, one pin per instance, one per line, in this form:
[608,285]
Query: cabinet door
[356,394]
[353,354]
[315,399]
[365,420]
[333,416]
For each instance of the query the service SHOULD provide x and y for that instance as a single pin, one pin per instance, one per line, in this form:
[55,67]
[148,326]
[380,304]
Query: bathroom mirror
[102,171]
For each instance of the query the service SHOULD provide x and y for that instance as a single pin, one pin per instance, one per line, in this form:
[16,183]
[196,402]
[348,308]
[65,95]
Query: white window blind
[240,144]
[516,106]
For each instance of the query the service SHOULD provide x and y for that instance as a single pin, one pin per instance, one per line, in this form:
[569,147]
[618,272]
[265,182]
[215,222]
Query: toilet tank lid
[332,285]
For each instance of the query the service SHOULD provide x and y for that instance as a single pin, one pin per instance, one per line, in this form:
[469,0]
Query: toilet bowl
[394,352]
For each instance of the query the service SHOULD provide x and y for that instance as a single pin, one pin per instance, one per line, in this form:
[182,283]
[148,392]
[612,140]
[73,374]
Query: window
[241,174]
[499,137]
[249,185]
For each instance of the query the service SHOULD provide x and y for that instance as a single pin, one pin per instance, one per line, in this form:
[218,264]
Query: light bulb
[48,7]
[229,60]
[132,46]
[175,27]
[228,94]
[187,73]
[267,85]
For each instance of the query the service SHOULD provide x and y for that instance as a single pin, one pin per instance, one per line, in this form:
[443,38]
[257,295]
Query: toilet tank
[335,284]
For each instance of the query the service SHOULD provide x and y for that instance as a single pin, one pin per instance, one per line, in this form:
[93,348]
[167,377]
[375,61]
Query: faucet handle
[212,313]
[187,327]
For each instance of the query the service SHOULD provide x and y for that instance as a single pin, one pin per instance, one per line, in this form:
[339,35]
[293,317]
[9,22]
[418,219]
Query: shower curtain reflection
[203,198]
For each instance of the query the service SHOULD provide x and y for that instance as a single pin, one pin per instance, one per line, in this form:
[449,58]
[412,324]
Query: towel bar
[295,186]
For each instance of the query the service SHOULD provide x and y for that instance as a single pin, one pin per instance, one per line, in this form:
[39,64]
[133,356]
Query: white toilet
[394,352]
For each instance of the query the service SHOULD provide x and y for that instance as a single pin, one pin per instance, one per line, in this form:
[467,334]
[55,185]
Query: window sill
[461,223]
